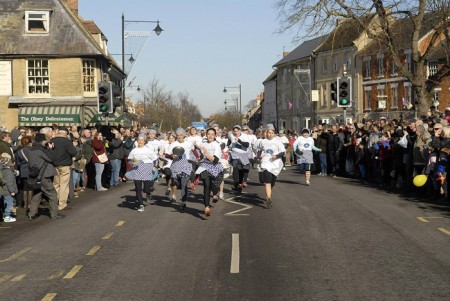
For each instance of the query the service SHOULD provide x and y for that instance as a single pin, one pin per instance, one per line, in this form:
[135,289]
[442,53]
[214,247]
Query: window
[394,95]
[367,94]
[432,68]
[408,60]
[347,61]
[394,70]
[408,94]
[38,77]
[325,65]
[335,64]
[36,22]
[88,75]
[380,59]
[324,90]
[307,122]
[367,73]
[435,101]
[325,121]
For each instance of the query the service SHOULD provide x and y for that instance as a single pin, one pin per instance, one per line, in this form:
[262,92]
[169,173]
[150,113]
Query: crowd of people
[56,164]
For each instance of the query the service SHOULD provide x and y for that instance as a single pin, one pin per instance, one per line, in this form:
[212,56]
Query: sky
[206,45]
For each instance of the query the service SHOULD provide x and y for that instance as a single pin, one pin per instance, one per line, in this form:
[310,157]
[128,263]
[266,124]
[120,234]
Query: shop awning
[92,117]
[47,115]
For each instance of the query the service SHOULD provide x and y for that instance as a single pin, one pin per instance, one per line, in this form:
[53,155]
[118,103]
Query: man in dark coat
[41,156]
[64,151]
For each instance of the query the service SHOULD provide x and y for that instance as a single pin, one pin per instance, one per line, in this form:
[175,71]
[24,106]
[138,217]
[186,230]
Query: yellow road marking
[73,272]
[4,278]
[93,250]
[56,275]
[425,218]
[18,278]
[108,235]
[14,256]
[444,230]
[120,223]
[49,297]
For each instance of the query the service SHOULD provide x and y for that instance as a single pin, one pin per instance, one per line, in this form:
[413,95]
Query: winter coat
[39,154]
[22,158]
[99,148]
[116,149]
[63,151]
[9,181]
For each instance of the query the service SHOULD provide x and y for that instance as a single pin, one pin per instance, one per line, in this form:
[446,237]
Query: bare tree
[187,110]
[424,17]
[227,118]
[156,100]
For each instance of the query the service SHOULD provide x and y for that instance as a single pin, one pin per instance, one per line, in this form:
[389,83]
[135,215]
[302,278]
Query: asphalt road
[333,240]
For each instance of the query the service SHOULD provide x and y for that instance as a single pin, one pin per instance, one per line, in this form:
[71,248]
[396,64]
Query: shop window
[38,77]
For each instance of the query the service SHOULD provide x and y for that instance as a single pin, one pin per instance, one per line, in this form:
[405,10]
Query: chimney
[285,53]
[73,5]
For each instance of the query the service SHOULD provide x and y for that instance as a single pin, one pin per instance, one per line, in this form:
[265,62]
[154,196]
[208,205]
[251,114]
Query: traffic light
[333,91]
[116,93]
[344,92]
[105,97]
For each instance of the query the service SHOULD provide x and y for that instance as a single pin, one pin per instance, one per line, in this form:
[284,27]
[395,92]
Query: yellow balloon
[419,180]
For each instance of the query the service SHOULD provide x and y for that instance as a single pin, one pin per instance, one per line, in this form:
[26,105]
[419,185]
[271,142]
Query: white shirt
[269,148]
[188,147]
[145,154]
[213,148]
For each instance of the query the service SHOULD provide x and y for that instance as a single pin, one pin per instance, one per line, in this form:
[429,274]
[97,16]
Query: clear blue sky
[205,45]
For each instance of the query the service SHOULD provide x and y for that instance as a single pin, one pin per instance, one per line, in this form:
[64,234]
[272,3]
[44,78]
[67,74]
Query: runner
[181,168]
[303,148]
[271,152]
[238,143]
[210,169]
[142,158]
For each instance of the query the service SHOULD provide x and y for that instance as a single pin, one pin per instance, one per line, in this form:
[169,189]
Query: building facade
[50,61]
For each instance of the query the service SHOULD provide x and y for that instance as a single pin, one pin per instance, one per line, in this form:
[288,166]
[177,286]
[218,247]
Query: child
[9,186]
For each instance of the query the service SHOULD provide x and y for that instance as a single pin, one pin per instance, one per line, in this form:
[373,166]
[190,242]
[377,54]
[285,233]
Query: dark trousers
[144,186]
[47,192]
[210,184]
[240,172]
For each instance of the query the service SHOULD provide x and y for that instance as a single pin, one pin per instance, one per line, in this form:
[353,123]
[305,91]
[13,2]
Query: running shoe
[269,202]
[207,211]
[141,208]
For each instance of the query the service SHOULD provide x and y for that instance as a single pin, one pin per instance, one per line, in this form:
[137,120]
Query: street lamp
[240,95]
[157,30]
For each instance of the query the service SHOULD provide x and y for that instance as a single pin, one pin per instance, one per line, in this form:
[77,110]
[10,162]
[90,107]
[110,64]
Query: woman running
[303,148]
[210,169]
[181,168]
[167,158]
[142,158]
[238,144]
[271,152]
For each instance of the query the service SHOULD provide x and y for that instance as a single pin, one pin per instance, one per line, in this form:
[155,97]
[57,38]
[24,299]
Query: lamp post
[240,95]
[157,30]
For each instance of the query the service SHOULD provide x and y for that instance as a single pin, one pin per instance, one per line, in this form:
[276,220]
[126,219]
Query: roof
[63,39]
[91,27]
[402,31]
[272,76]
[344,34]
[304,50]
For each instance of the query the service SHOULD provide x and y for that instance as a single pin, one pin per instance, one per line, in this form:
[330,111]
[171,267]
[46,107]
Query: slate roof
[270,77]
[304,50]
[63,39]
[402,31]
[343,35]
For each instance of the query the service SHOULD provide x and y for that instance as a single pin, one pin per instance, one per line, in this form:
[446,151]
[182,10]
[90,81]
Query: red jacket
[99,148]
